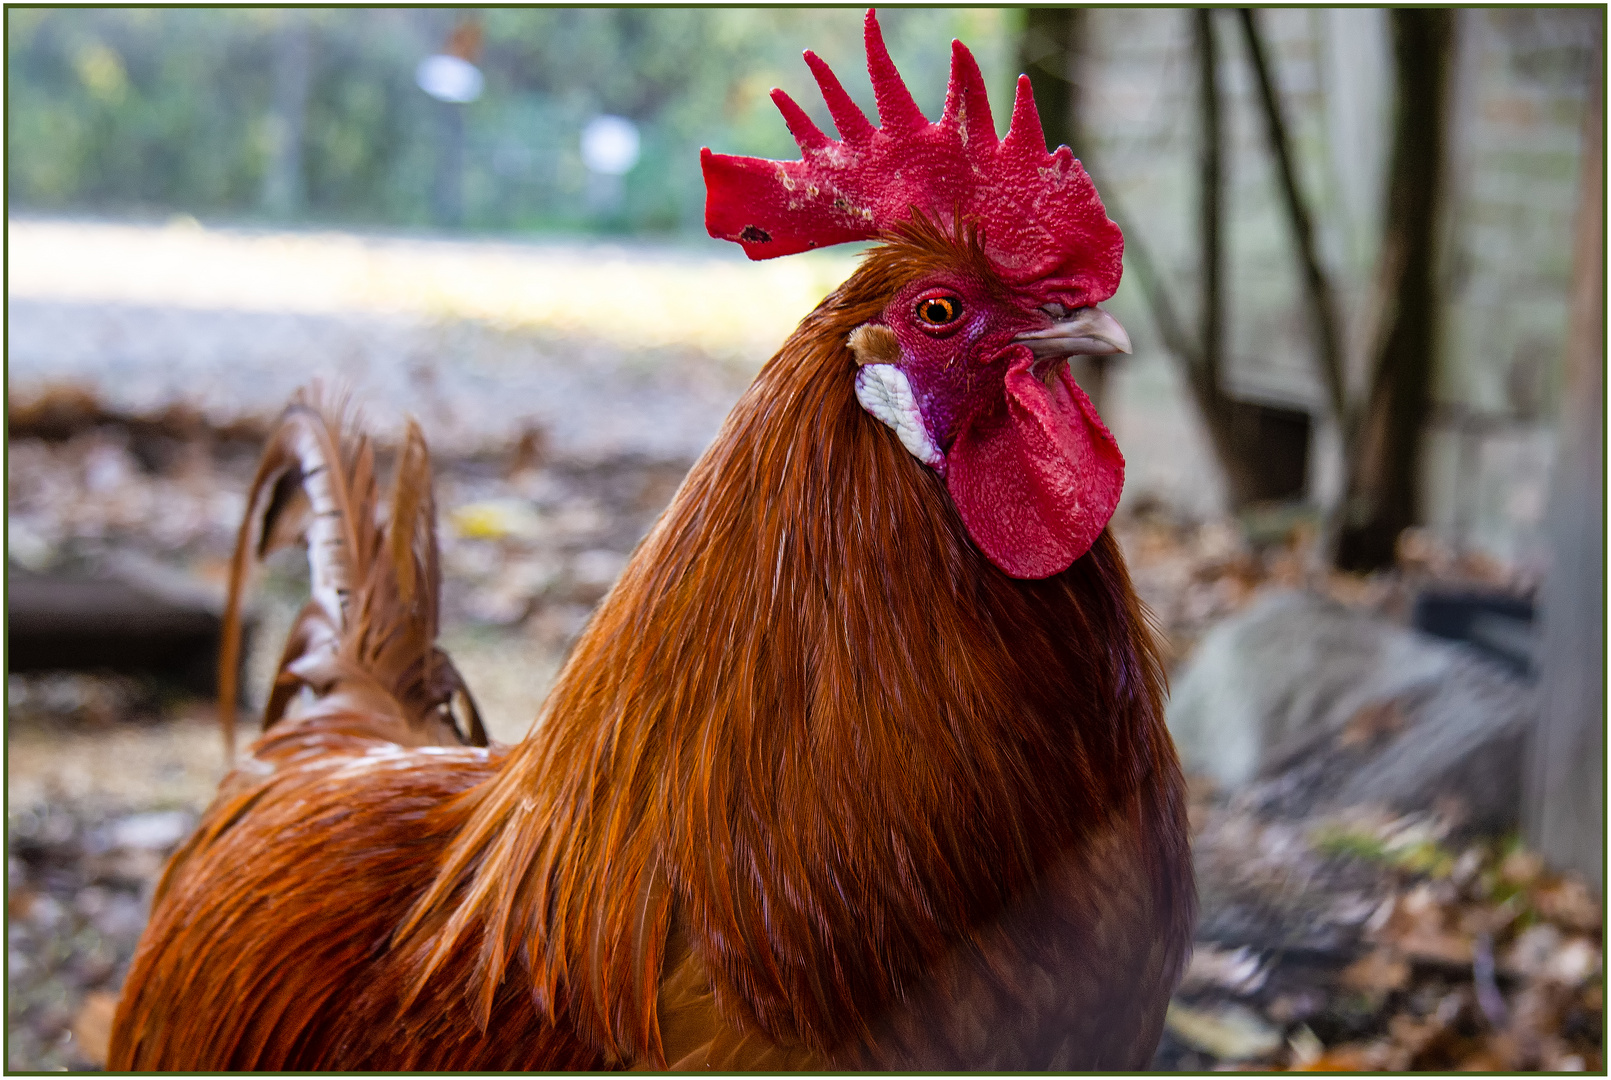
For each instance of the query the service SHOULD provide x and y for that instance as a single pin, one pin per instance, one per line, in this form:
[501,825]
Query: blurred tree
[1382,433]
[1211,214]
[283,191]
[447,187]
[160,110]
[1049,53]
[1384,439]
[103,104]
[1235,428]
[1324,323]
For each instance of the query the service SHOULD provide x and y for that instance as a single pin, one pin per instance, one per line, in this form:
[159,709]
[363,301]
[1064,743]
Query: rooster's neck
[814,725]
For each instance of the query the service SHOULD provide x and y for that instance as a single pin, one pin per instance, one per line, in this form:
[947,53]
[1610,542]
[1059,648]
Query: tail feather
[364,645]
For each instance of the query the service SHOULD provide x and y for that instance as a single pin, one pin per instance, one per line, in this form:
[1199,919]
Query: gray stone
[1329,707]
[156,830]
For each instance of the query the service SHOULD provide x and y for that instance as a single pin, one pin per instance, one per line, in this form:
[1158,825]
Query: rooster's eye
[939,310]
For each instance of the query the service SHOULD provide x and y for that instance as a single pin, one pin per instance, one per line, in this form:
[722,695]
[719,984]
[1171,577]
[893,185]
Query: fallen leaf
[92,1026]
[1416,928]
[1228,1032]
[1371,723]
[1567,1063]
[1414,1032]
[1349,1057]
[1486,1059]
[1574,963]
[157,830]
[20,903]
[1531,951]
[1241,971]
[1378,973]
[1437,949]
[1306,1046]
[1296,1005]
[1521,867]
[1568,902]
[497,519]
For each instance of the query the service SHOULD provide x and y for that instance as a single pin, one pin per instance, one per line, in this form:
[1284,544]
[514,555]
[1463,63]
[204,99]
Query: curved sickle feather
[365,642]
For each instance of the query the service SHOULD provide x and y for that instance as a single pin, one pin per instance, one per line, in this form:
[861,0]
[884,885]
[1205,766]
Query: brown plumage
[820,786]
[365,643]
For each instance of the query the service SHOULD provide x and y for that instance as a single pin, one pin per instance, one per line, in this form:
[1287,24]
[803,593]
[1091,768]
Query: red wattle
[1037,480]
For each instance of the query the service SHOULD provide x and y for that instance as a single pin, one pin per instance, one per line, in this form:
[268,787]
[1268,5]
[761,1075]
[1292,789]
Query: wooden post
[1564,814]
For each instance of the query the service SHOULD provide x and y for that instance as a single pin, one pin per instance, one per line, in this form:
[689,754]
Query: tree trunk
[1230,429]
[447,189]
[284,190]
[1049,53]
[1564,810]
[1324,322]
[1211,201]
[1382,493]
[1242,435]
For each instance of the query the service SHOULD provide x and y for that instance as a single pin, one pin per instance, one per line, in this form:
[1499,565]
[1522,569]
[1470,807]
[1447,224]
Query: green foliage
[1411,852]
[179,109]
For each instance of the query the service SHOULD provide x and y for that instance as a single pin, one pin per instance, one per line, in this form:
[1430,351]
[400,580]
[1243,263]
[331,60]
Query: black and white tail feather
[364,646]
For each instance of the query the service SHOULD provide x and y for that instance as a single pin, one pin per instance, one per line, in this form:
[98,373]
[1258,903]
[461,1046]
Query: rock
[156,830]
[1346,709]
[597,567]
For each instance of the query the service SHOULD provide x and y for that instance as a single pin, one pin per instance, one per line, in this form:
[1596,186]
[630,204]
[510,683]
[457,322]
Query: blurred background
[1363,426]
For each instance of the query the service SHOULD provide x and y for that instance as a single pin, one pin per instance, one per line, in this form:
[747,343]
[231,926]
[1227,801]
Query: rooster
[861,763]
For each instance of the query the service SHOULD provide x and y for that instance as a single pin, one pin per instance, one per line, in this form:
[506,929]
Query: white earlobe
[884,391]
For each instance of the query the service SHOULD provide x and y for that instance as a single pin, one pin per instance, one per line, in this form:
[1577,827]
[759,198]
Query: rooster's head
[967,360]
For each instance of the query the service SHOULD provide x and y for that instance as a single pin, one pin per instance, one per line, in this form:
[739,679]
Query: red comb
[1039,212]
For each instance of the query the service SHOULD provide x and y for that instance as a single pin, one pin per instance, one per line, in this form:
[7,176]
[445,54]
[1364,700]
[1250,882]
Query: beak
[1089,331]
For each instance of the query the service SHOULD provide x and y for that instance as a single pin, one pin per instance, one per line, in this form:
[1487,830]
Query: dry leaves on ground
[1476,959]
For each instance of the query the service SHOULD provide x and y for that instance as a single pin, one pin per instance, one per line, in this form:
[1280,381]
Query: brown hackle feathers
[818,787]
[815,731]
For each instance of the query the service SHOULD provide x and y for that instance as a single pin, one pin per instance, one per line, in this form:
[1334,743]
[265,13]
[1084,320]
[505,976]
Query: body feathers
[819,786]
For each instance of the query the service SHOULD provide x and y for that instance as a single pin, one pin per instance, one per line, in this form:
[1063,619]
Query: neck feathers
[812,723]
